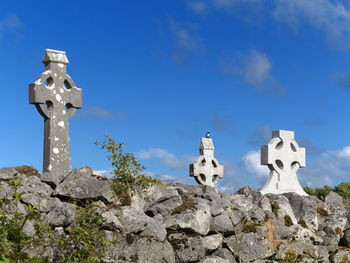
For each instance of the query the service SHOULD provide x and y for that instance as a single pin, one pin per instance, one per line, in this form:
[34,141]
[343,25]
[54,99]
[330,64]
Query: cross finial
[284,157]
[56,97]
[206,169]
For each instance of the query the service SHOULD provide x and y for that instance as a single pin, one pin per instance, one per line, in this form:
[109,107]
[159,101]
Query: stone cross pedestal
[206,169]
[283,157]
[56,98]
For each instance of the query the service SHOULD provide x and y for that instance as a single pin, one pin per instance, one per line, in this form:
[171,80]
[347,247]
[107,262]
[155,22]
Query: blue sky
[158,74]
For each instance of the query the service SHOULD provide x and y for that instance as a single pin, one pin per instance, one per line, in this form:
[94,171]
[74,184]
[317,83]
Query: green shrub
[343,189]
[127,175]
[14,244]
[85,241]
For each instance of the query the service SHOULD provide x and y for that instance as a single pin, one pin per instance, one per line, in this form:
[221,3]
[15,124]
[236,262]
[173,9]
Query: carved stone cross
[206,169]
[283,157]
[56,98]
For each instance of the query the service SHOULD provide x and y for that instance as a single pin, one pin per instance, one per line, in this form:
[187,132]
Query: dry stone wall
[185,223]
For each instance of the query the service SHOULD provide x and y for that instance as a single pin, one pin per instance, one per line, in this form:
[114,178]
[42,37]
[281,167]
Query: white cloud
[187,40]
[332,17]
[99,113]
[256,68]
[106,173]
[198,7]
[251,163]
[11,22]
[166,158]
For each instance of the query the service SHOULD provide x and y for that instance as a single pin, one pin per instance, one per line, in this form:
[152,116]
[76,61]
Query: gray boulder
[59,213]
[84,184]
[187,249]
[340,256]
[162,200]
[306,209]
[195,219]
[249,247]
[212,242]
[33,190]
[345,240]
[222,223]
[132,219]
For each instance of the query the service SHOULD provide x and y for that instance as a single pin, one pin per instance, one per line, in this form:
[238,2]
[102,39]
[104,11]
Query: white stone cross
[56,98]
[206,169]
[283,157]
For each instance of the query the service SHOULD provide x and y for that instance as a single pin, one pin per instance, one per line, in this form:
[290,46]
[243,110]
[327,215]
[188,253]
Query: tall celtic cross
[283,156]
[206,169]
[56,98]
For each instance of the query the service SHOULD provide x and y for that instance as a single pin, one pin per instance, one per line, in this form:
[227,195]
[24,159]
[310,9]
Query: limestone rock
[133,220]
[111,221]
[224,253]
[33,190]
[214,259]
[154,229]
[162,200]
[212,242]
[84,184]
[249,247]
[8,173]
[187,249]
[345,240]
[59,213]
[306,209]
[196,220]
[341,256]
[222,223]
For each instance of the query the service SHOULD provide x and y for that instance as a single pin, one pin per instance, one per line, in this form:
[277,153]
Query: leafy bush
[127,175]
[85,241]
[15,246]
[343,189]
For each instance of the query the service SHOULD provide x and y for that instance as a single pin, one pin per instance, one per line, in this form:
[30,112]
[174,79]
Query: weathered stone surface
[305,209]
[206,169]
[34,191]
[6,192]
[162,200]
[60,214]
[281,207]
[345,240]
[28,228]
[283,157]
[221,223]
[133,220]
[154,229]
[212,242]
[130,248]
[84,184]
[197,220]
[249,247]
[8,173]
[111,221]
[218,206]
[187,249]
[341,256]
[56,98]
[214,259]
[334,200]
[224,253]
[168,252]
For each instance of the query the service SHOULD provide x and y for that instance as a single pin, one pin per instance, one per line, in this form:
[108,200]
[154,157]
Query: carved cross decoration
[283,156]
[206,169]
[56,98]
